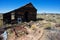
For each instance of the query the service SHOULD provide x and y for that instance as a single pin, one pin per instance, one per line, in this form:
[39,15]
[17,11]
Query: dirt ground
[40,30]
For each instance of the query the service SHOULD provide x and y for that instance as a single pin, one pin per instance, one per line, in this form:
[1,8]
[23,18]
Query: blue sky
[42,6]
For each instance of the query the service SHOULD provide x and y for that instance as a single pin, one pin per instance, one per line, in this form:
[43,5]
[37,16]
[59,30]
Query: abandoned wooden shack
[24,13]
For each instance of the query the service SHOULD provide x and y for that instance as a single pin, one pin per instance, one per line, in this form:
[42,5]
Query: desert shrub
[10,31]
[48,28]
[33,26]
[47,24]
[57,25]
[40,19]
[51,20]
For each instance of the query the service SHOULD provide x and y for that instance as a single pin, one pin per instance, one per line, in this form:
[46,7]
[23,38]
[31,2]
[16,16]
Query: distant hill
[50,13]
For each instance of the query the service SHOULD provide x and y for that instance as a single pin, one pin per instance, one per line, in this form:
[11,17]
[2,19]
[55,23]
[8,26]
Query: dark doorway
[26,16]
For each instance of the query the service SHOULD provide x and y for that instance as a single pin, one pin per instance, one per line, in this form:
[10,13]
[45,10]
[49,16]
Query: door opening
[26,16]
